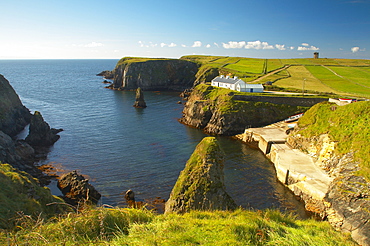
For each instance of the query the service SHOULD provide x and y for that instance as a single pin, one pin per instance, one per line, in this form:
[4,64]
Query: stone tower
[316,55]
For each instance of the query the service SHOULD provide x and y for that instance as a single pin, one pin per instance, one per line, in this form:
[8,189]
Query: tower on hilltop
[316,55]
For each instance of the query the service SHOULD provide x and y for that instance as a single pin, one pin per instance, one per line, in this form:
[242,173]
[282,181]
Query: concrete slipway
[295,169]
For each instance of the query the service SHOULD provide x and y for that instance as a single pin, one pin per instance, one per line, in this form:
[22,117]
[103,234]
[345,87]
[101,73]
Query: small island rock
[200,185]
[139,100]
[40,133]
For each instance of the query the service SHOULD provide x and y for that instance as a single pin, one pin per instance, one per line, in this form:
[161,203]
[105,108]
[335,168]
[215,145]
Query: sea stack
[200,185]
[139,101]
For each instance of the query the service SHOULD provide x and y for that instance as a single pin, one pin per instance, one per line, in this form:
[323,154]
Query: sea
[120,147]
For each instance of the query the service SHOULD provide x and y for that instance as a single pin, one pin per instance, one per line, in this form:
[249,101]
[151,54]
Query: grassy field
[345,77]
[122,226]
[301,78]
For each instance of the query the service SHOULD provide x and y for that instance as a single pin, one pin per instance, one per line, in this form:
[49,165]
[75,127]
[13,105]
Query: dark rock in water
[200,185]
[139,100]
[40,134]
[130,198]
[106,74]
[76,189]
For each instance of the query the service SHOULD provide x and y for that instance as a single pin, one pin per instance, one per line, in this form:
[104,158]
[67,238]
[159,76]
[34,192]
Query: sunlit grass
[301,78]
[122,226]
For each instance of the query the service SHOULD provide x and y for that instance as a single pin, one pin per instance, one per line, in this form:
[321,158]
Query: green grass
[348,125]
[340,84]
[248,65]
[300,75]
[128,60]
[21,194]
[122,226]
[273,64]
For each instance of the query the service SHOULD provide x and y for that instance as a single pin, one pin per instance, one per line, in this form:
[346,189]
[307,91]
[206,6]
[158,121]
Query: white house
[236,84]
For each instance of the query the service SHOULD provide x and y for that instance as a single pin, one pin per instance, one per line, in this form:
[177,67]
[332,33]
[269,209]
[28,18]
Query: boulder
[40,133]
[200,185]
[139,100]
[76,189]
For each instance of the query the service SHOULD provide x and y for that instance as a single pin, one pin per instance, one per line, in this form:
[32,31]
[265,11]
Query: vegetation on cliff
[20,194]
[226,112]
[200,185]
[348,126]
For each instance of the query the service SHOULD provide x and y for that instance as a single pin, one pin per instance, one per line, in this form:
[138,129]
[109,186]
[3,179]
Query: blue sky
[49,29]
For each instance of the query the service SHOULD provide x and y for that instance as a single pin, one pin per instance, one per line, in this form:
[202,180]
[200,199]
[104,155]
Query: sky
[112,29]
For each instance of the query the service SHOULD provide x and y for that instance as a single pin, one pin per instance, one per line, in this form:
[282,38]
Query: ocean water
[119,147]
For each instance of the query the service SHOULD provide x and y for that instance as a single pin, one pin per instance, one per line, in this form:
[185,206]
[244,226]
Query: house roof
[227,79]
[254,86]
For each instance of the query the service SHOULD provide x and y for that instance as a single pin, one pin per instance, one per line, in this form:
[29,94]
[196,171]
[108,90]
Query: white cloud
[183,45]
[280,46]
[258,45]
[234,45]
[197,44]
[93,44]
[208,46]
[308,48]
[216,45]
[355,49]
[291,47]
[172,45]
[305,44]
[163,44]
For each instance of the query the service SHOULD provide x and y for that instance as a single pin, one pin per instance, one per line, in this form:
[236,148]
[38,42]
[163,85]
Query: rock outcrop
[139,100]
[154,74]
[324,133]
[13,115]
[200,185]
[220,111]
[77,189]
[40,133]
[13,119]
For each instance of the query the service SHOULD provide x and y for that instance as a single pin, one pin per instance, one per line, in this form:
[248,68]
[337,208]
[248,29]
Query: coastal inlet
[119,147]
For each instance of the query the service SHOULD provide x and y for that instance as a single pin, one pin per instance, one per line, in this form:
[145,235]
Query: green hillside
[345,77]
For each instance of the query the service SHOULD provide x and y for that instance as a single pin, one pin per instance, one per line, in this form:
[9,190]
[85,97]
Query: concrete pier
[295,169]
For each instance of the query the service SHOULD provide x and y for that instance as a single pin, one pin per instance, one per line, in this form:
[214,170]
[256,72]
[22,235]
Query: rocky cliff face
[347,203]
[157,74]
[13,118]
[13,115]
[200,185]
[218,111]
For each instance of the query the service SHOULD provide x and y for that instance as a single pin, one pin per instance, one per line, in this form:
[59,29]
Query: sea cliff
[14,116]
[225,112]
[337,137]
[153,74]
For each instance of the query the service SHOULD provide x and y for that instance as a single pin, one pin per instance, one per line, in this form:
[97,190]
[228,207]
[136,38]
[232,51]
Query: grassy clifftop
[348,126]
